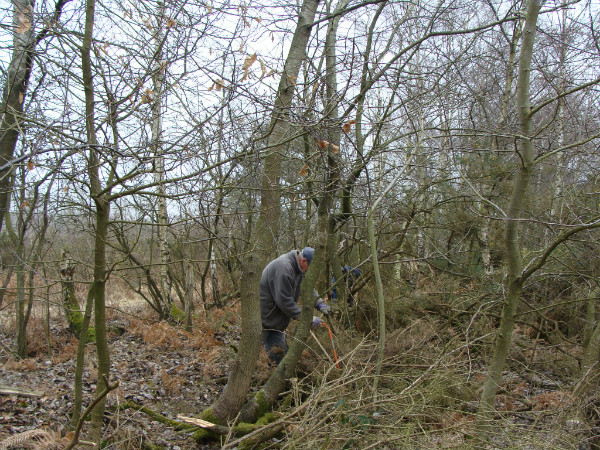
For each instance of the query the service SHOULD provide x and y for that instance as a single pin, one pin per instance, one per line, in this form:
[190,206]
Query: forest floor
[157,365]
[427,393]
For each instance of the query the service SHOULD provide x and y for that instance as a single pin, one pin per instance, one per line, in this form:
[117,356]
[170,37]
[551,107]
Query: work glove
[323,307]
[316,322]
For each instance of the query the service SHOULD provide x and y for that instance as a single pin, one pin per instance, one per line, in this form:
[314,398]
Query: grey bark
[266,232]
[102,214]
[511,236]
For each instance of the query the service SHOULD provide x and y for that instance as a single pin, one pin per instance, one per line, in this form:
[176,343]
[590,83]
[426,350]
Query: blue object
[308,252]
[351,275]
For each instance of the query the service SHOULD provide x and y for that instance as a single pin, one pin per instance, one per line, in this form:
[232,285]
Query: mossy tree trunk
[266,232]
[189,295]
[80,359]
[276,383]
[99,289]
[71,307]
[268,395]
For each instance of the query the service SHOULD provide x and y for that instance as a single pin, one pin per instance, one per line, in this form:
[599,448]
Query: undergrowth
[437,346]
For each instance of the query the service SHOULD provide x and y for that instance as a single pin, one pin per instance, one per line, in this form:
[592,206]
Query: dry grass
[428,398]
[428,390]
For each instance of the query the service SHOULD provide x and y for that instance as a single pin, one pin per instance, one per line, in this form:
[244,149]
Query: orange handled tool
[335,357]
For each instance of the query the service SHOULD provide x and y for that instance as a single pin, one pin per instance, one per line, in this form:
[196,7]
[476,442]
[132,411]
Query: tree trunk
[189,295]
[499,143]
[73,313]
[15,88]
[159,174]
[102,217]
[590,319]
[268,395]
[590,365]
[18,239]
[267,227]
[511,235]
[80,360]
[21,323]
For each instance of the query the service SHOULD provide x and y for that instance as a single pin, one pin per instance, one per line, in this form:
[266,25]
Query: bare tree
[22,61]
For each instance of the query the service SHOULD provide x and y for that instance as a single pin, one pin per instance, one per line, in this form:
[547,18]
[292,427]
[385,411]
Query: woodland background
[155,155]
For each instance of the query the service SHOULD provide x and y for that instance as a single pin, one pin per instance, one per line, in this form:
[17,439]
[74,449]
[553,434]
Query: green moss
[267,418]
[202,435]
[177,314]
[209,416]
[244,428]
[248,446]
[263,406]
[287,401]
[75,319]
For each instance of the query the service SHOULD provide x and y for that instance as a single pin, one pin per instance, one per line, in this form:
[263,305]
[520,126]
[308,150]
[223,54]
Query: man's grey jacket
[280,291]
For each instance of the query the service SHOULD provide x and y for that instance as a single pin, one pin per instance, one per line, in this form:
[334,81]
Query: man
[279,294]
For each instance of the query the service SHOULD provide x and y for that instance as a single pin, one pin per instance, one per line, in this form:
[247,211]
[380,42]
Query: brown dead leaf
[322,144]
[346,126]
[550,401]
[263,68]
[25,25]
[249,61]
[304,170]
[21,98]
[30,164]
[334,148]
